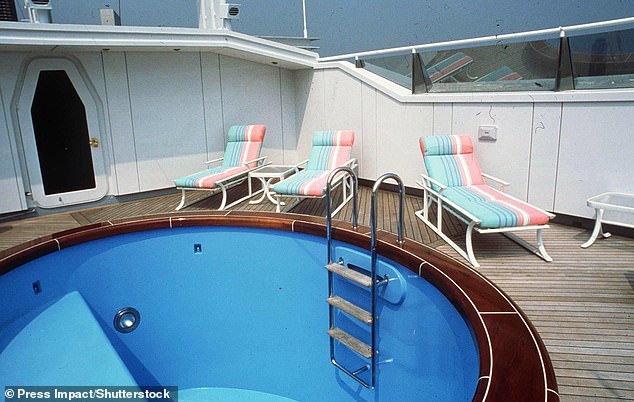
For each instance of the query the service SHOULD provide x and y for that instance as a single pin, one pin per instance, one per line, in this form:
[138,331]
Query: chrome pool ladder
[373,282]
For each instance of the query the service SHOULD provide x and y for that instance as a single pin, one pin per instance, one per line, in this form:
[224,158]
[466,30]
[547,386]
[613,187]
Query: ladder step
[351,274]
[350,341]
[352,309]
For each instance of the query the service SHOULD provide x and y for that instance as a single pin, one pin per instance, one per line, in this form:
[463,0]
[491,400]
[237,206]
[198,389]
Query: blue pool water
[226,312]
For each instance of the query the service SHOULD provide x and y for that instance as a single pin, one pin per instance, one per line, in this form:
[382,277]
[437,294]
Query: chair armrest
[214,161]
[434,181]
[256,161]
[351,163]
[495,179]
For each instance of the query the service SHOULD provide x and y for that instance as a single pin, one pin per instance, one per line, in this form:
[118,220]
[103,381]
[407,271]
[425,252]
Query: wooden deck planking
[582,303]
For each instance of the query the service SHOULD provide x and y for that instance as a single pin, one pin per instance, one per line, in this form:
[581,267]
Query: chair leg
[540,250]
[468,240]
[467,255]
[540,245]
[224,196]
[182,204]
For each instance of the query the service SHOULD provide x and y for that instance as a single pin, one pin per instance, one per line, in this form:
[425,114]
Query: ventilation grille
[7,11]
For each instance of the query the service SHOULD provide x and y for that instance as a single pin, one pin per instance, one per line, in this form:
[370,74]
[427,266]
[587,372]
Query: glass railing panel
[603,60]
[396,68]
[523,66]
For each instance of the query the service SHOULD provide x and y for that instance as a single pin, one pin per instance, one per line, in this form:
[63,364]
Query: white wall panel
[11,193]
[121,129]
[216,132]
[289,118]
[595,154]
[398,128]
[512,148]
[10,67]
[368,136]
[251,95]
[343,107]
[443,119]
[167,115]
[311,106]
[544,151]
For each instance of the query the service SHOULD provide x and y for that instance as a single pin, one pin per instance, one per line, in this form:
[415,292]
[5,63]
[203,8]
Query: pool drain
[127,319]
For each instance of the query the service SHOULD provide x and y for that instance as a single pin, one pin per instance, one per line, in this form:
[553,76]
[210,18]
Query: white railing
[551,33]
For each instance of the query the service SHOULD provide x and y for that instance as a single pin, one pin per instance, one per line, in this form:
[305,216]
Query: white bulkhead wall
[556,154]
[166,114]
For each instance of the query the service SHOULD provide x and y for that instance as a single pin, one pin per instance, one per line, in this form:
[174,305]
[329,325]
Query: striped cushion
[307,182]
[495,209]
[208,178]
[450,160]
[243,144]
[330,150]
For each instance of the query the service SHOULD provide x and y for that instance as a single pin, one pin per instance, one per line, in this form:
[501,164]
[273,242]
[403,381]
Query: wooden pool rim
[514,363]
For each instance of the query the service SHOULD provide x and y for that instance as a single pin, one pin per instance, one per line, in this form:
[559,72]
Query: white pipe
[494,39]
[305,26]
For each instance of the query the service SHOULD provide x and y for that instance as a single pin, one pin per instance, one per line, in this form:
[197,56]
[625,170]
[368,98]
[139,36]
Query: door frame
[94,120]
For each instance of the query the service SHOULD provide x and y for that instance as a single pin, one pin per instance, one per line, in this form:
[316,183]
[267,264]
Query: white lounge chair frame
[224,184]
[344,180]
[430,195]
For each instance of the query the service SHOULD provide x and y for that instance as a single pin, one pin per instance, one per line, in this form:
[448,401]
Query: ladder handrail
[355,190]
[375,188]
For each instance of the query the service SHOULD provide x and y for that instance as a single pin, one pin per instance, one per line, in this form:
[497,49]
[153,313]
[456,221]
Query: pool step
[351,274]
[352,309]
[350,341]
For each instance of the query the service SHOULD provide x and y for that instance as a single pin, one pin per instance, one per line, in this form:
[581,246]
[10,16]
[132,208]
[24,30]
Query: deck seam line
[486,329]
[500,312]
[539,352]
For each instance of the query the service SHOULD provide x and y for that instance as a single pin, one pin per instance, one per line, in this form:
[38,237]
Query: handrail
[375,188]
[375,282]
[354,189]
[492,39]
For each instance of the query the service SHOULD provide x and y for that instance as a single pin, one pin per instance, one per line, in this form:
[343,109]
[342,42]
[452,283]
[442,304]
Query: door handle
[94,142]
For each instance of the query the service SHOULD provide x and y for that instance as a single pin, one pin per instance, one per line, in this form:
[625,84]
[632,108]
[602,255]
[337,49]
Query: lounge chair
[504,73]
[456,184]
[331,149]
[449,66]
[242,155]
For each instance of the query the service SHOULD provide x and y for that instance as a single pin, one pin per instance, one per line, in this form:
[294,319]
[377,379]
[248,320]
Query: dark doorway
[61,135]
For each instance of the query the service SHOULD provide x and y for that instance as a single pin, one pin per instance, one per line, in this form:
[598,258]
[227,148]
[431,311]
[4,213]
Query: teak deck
[582,303]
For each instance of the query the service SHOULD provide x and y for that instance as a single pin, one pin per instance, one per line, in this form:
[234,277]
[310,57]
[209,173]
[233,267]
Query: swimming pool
[235,304]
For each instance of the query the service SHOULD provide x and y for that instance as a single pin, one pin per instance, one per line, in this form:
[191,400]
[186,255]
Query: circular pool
[224,306]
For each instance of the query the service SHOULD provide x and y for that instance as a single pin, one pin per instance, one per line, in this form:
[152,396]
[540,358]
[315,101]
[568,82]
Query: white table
[266,175]
[611,201]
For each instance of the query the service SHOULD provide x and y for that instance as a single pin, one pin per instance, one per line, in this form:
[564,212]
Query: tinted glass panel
[396,68]
[525,66]
[604,60]
[61,135]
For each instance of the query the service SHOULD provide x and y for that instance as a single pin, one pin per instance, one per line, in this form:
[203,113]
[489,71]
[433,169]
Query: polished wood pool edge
[514,364]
